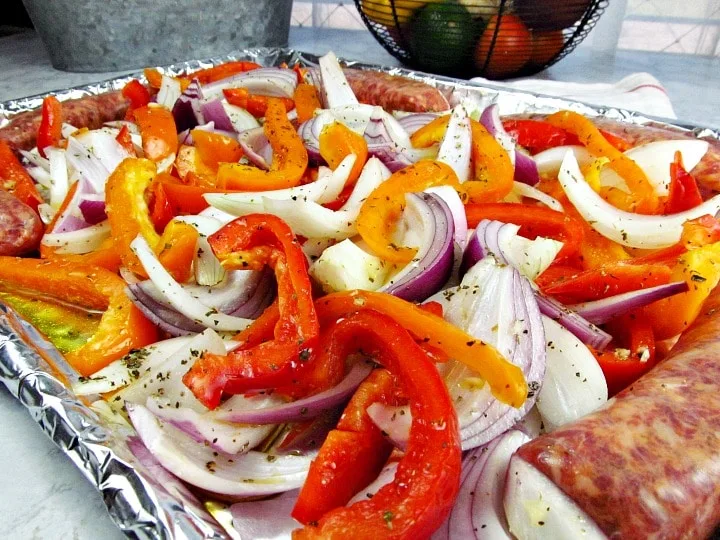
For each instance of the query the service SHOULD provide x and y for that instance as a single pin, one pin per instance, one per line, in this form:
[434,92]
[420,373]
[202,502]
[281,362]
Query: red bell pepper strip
[137,94]
[15,179]
[505,379]
[534,221]
[50,130]
[122,327]
[161,211]
[252,242]
[184,199]
[684,193]
[413,505]
[608,280]
[352,455]
[126,141]
[537,136]
[635,335]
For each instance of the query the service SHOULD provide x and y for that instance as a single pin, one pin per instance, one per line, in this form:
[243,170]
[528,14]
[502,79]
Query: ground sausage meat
[395,93]
[648,465]
[89,111]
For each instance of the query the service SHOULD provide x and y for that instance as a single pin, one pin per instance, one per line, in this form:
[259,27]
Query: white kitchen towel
[638,92]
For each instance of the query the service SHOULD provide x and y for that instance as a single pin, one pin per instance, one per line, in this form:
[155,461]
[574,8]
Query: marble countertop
[43,494]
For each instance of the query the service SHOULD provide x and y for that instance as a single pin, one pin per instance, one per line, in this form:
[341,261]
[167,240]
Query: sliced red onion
[583,329]
[478,512]
[430,216]
[306,440]
[187,110]
[574,383]
[601,311]
[95,155]
[526,170]
[169,92]
[241,119]
[243,294]
[502,241]
[256,147]
[205,429]
[301,409]
[393,421]
[455,148]
[414,121]
[213,111]
[335,90]
[309,132]
[457,209]
[276,82]
[248,475]
[93,211]
[268,519]
[496,304]
[532,498]
[180,298]
[390,143]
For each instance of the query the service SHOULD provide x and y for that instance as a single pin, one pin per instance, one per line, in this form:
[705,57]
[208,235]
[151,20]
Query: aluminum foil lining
[143,499]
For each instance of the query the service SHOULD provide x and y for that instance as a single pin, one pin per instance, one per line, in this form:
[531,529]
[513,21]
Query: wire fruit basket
[497,39]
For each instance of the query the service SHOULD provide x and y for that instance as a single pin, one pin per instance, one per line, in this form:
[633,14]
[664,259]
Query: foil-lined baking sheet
[142,498]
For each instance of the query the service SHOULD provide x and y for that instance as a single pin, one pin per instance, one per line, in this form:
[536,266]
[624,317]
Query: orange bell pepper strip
[643,198]
[214,148]
[683,193]
[139,96]
[700,269]
[534,221]
[252,242]
[127,210]
[306,101]
[431,133]
[186,199]
[493,171]
[178,247]
[222,71]
[15,179]
[105,256]
[401,509]
[122,327]
[188,161]
[161,210]
[381,210]
[255,104]
[158,131]
[50,130]
[352,455]
[290,158]
[608,280]
[505,379]
[337,142]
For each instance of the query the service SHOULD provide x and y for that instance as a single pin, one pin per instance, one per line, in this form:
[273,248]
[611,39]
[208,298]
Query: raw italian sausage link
[394,93]
[648,465]
[89,111]
[20,227]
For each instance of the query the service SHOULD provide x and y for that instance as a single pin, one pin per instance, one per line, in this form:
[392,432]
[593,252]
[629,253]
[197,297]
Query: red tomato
[545,46]
[511,51]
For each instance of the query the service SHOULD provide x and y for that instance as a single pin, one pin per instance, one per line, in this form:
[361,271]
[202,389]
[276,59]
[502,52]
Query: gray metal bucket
[113,35]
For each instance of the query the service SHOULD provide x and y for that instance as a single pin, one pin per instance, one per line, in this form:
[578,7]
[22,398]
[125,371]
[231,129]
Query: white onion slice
[325,189]
[336,90]
[240,118]
[267,519]
[654,159]
[251,474]
[530,192]
[537,509]
[33,156]
[271,81]
[457,208]
[40,175]
[95,155]
[346,266]
[178,297]
[79,241]
[455,146]
[386,476]
[626,228]
[574,384]
[549,161]
[169,92]
[60,183]
[127,369]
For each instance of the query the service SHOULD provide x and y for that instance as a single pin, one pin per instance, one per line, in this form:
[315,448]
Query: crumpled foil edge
[142,498]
